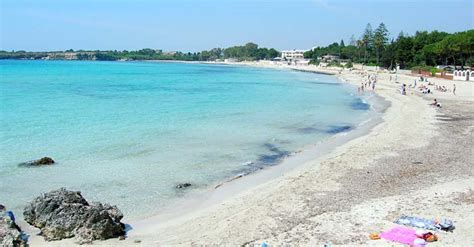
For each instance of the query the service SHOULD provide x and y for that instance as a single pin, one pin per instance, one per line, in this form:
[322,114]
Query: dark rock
[10,233]
[63,214]
[183,186]
[39,162]
[358,104]
[122,237]
[335,129]
[45,161]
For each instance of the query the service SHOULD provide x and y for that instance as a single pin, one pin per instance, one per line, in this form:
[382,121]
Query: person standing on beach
[454,89]
[404,92]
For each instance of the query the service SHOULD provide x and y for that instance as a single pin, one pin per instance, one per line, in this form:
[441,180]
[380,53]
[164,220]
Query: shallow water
[128,132]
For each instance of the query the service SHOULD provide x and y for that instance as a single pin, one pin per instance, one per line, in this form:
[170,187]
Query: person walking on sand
[454,89]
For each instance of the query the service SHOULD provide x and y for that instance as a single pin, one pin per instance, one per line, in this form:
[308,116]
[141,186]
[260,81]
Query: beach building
[294,57]
[293,54]
[463,75]
[447,68]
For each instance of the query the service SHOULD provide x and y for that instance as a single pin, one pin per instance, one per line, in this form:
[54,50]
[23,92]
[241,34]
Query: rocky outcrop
[183,186]
[10,234]
[63,214]
[40,162]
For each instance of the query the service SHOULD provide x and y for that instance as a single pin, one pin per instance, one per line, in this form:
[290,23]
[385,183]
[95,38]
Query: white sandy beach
[359,188]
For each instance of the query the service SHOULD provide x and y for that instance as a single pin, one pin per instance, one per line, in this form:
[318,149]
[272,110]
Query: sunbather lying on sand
[436,103]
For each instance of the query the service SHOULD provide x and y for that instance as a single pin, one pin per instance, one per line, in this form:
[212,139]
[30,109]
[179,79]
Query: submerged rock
[39,162]
[183,185]
[63,214]
[335,129]
[10,233]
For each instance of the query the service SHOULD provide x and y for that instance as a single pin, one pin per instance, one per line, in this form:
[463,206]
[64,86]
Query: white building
[293,54]
[463,75]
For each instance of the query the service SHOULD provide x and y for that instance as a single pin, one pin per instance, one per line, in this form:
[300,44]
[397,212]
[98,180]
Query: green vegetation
[147,54]
[22,55]
[431,69]
[335,64]
[349,65]
[250,51]
[422,49]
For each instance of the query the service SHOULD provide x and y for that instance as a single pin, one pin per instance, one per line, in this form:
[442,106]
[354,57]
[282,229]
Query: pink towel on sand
[400,234]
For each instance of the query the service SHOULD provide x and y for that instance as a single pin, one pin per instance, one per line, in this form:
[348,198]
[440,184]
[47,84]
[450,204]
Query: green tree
[388,58]
[404,51]
[380,40]
[342,43]
[367,39]
[360,45]
[349,52]
[249,51]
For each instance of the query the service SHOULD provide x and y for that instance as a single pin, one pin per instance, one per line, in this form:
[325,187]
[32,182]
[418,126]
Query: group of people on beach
[441,88]
[372,80]
[444,89]
[423,88]
[369,83]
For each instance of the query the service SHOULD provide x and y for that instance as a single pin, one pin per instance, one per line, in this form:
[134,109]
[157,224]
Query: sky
[194,25]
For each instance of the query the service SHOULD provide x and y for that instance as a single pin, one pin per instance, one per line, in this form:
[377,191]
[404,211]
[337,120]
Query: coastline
[204,199]
[279,205]
[225,189]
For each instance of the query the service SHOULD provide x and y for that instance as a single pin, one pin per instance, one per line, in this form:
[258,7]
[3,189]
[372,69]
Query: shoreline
[217,193]
[225,189]
[205,199]
[180,230]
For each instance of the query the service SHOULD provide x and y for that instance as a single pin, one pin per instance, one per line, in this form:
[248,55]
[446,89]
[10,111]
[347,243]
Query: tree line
[249,51]
[374,47]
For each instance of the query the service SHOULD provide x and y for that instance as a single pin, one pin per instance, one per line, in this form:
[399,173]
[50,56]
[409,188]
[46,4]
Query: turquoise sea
[127,132]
